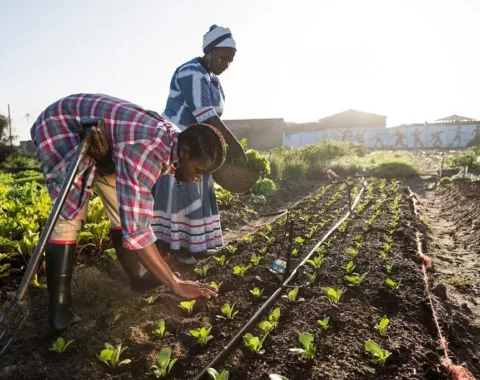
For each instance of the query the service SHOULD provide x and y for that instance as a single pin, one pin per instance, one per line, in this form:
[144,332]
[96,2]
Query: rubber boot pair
[140,278]
[59,264]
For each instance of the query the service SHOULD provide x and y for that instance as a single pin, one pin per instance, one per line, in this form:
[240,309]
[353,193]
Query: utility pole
[10,127]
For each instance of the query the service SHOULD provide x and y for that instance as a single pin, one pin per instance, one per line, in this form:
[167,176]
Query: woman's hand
[192,289]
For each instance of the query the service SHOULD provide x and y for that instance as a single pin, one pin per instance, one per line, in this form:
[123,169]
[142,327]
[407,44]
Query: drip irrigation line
[278,292]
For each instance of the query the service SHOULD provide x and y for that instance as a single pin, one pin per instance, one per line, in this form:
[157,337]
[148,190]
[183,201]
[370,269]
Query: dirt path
[452,214]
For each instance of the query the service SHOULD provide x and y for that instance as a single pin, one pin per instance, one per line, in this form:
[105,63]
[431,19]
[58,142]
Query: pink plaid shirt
[144,147]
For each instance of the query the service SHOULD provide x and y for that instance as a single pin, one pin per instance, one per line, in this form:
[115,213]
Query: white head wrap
[218,36]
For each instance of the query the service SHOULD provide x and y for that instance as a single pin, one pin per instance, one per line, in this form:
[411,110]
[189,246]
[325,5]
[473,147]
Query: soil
[100,291]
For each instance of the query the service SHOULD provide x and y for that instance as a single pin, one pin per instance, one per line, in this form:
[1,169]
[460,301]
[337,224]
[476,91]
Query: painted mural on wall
[403,137]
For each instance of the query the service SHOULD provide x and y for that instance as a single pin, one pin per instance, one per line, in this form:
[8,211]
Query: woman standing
[186,216]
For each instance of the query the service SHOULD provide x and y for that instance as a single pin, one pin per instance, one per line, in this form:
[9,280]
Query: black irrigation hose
[277,293]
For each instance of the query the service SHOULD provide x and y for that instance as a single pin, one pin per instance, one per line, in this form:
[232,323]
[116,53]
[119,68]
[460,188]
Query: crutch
[14,313]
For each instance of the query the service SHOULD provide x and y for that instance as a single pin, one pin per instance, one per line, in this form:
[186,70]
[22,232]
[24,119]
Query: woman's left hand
[235,149]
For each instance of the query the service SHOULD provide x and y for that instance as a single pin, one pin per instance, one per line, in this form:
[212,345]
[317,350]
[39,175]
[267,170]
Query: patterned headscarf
[218,36]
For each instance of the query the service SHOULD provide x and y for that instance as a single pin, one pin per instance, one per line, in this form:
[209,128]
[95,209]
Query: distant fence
[403,137]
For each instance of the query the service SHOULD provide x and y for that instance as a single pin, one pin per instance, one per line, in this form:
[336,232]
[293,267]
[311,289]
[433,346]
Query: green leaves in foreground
[163,364]
[59,346]
[309,350]
[379,355]
[111,355]
[214,375]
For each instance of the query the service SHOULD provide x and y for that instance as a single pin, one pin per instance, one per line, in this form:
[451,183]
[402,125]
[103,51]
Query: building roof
[454,118]
[350,111]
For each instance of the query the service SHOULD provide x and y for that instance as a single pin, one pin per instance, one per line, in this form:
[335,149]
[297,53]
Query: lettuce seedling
[352,252]
[222,260]
[311,277]
[394,285]
[382,325]
[316,262]
[253,343]
[215,285]
[349,267]
[269,228]
[248,239]
[59,346]
[383,255]
[263,251]
[263,235]
[241,270]
[150,300]
[161,330]
[111,355]
[202,271]
[378,354]
[187,306]
[231,248]
[114,318]
[358,238]
[299,240]
[321,251]
[387,247]
[271,241]
[308,351]
[292,295]
[255,260]
[163,364]
[265,326]
[257,292]
[332,294]
[295,252]
[274,317]
[214,375]
[355,279]
[202,335]
[328,244]
[324,322]
[228,312]
[388,268]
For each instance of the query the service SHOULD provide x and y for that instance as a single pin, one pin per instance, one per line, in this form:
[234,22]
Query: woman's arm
[234,146]
[153,261]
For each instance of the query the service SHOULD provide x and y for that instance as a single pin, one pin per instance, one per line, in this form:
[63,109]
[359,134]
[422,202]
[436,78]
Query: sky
[301,60]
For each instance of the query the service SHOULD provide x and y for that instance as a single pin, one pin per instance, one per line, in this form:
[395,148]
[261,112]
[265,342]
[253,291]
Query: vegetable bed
[359,308]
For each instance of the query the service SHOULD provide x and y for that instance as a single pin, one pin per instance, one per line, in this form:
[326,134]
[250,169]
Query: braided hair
[204,142]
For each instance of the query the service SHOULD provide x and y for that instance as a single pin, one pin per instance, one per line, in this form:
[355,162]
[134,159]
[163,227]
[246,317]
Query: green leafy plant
[271,240]
[349,267]
[352,252]
[324,322]
[163,365]
[202,335]
[382,254]
[150,300]
[315,262]
[253,343]
[299,240]
[231,248]
[187,306]
[382,325]
[295,252]
[111,355]
[241,270]
[257,292]
[311,277]
[222,260]
[356,279]
[274,376]
[202,271]
[274,317]
[216,285]
[332,294]
[388,268]
[59,346]
[263,251]
[255,259]
[228,311]
[378,354]
[113,319]
[248,239]
[266,326]
[293,294]
[214,375]
[394,285]
[321,251]
[161,329]
[309,350]
[387,247]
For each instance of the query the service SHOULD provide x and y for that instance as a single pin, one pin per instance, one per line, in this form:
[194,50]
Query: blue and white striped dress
[186,215]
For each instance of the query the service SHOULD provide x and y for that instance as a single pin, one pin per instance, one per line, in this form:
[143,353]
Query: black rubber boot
[141,279]
[59,263]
